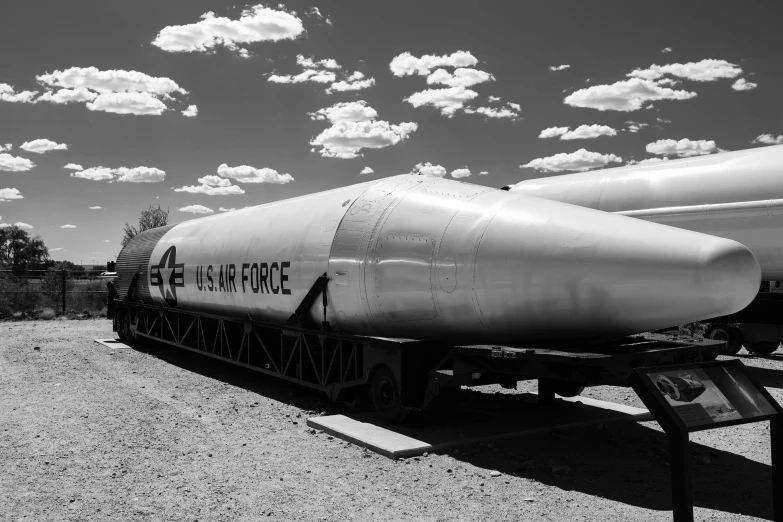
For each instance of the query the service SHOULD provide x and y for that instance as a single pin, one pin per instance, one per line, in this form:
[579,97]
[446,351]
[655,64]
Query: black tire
[568,389]
[730,334]
[386,396]
[762,348]
[122,323]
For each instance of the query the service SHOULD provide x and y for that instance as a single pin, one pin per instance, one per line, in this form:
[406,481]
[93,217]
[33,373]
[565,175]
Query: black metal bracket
[318,288]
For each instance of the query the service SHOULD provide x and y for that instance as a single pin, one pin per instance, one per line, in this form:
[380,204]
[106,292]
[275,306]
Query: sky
[206,106]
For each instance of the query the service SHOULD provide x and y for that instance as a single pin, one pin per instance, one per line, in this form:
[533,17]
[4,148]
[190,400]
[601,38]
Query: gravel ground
[155,433]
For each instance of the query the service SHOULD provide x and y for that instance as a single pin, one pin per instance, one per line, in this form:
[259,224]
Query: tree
[150,218]
[19,251]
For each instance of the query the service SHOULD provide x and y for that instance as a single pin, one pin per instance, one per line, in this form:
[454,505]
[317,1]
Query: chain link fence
[51,292]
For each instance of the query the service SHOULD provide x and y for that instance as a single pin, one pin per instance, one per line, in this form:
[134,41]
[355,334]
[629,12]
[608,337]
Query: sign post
[703,396]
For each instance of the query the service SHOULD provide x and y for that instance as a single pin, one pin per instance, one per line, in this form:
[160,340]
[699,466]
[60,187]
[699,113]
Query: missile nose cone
[730,275]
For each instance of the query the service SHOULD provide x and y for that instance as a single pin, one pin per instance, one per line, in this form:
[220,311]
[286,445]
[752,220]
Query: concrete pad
[471,424]
[114,344]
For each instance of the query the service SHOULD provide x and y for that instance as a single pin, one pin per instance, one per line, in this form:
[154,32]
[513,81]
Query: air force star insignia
[168,275]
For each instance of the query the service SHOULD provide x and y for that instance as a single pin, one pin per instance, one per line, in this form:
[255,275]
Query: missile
[419,257]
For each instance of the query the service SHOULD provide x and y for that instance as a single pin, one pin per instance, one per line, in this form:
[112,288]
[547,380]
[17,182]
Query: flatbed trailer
[401,375]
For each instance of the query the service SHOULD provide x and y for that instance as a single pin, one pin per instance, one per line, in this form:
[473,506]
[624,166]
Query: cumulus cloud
[460,173]
[704,71]
[8,94]
[111,81]
[308,75]
[428,169]
[247,174]
[483,173]
[256,24]
[227,209]
[310,63]
[212,186]
[344,139]
[743,85]
[448,101]
[68,226]
[62,96]
[683,148]
[316,13]
[558,67]
[577,161]
[121,174]
[10,193]
[509,111]
[23,225]
[42,146]
[57,249]
[406,64]
[583,132]
[73,166]
[345,111]
[666,50]
[647,161]
[634,127]
[96,207]
[367,170]
[625,95]
[768,139]
[196,209]
[138,103]
[15,163]
[5,147]
[461,77]
[354,82]
[190,112]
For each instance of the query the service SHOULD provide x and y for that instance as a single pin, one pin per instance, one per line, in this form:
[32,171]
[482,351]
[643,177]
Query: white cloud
[15,163]
[122,174]
[510,111]
[647,161]
[666,50]
[42,146]
[10,193]
[559,67]
[344,139]
[6,147]
[95,207]
[68,226]
[227,209]
[315,12]
[94,174]
[634,127]
[625,95]
[190,112]
[743,85]
[111,81]
[73,166]
[448,101]
[8,94]
[683,148]
[354,82]
[461,77]
[139,103]
[460,173]
[345,111]
[483,173]
[768,139]
[583,132]
[367,170]
[197,209]
[247,174]
[106,241]
[139,174]
[407,64]
[214,181]
[491,99]
[428,169]
[309,63]
[23,225]
[209,190]
[257,24]
[579,161]
[704,71]
[57,249]
[308,75]
[61,96]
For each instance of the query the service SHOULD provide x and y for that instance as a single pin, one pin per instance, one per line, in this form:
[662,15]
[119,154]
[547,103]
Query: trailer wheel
[761,348]
[730,334]
[386,396]
[568,389]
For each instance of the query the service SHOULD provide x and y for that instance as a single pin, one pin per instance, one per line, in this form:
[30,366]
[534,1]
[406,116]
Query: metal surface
[428,258]
[735,195]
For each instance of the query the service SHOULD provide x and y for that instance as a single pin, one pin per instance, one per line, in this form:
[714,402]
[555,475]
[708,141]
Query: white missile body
[735,195]
[426,258]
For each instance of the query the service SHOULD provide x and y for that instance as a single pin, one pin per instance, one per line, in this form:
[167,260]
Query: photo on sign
[713,395]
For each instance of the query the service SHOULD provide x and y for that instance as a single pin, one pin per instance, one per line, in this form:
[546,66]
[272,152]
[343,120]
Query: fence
[56,290]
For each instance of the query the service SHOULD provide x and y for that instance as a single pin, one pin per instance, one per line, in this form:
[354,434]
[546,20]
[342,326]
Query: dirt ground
[156,433]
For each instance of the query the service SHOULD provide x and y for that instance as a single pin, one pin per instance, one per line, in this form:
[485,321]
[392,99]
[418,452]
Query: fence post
[63,289]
